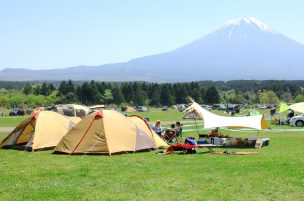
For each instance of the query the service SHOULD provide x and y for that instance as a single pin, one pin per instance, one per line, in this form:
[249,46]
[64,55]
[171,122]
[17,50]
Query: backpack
[190,141]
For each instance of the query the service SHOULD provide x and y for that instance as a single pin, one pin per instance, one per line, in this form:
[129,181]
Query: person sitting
[214,133]
[178,128]
[172,129]
[157,128]
[289,116]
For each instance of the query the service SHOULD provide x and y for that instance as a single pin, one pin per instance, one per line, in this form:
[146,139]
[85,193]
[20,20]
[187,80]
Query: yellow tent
[142,125]
[105,132]
[41,130]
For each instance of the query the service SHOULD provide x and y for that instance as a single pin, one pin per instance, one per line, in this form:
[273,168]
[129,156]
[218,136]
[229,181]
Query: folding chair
[170,136]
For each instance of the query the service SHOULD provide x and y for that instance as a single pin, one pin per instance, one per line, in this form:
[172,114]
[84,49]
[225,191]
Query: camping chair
[170,136]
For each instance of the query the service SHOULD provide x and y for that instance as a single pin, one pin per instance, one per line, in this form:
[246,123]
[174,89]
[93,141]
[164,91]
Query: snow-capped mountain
[243,48]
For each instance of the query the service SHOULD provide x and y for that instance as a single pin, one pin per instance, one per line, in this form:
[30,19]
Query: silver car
[297,121]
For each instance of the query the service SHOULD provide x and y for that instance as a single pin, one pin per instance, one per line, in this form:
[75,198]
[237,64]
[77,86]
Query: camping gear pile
[214,122]
[101,132]
[72,110]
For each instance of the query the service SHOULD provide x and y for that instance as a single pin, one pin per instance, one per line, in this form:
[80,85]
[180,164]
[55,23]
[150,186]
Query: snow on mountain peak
[248,20]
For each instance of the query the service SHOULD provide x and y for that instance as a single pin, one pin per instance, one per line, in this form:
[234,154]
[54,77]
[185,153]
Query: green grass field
[11,121]
[275,174]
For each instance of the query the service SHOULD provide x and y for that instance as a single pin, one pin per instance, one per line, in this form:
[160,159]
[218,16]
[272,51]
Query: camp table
[209,146]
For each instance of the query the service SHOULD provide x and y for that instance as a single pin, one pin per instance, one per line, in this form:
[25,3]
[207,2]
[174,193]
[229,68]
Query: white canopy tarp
[298,107]
[212,120]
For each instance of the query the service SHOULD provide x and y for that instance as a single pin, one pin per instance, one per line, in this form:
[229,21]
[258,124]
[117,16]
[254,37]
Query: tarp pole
[196,126]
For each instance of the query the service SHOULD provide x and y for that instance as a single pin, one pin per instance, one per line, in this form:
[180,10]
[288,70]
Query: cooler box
[215,140]
[201,142]
[266,142]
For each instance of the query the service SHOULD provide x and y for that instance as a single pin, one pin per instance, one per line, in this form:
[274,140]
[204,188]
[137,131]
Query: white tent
[192,115]
[212,120]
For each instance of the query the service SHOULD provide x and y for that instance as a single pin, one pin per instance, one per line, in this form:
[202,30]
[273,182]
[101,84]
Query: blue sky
[44,34]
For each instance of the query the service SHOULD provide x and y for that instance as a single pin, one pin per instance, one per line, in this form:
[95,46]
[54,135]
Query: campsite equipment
[298,107]
[234,153]
[190,140]
[72,110]
[212,120]
[181,147]
[41,130]
[252,112]
[261,142]
[215,141]
[170,136]
[201,142]
[127,109]
[189,148]
[107,132]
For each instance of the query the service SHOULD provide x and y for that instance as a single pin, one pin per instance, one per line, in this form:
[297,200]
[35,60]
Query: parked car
[16,112]
[219,107]
[297,121]
[181,107]
[141,108]
[165,108]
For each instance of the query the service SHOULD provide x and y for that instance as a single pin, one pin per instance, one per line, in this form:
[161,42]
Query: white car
[297,121]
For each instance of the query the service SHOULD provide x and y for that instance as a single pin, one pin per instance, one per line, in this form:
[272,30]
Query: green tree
[154,95]
[70,87]
[16,101]
[268,97]
[95,96]
[44,89]
[128,92]
[140,97]
[84,93]
[37,90]
[107,96]
[118,96]
[52,88]
[181,92]
[4,100]
[299,98]
[166,97]
[62,89]
[28,89]
[203,94]
[212,96]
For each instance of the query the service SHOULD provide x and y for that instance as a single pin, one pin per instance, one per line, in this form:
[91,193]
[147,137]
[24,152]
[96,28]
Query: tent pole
[196,126]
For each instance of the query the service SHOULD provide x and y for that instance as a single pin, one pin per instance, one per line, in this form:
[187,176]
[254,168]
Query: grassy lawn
[275,174]
[11,121]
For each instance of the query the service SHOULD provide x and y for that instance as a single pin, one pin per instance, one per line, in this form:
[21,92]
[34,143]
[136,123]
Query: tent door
[25,135]
[143,141]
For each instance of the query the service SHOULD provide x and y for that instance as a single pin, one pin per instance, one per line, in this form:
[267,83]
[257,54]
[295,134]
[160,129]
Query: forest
[33,94]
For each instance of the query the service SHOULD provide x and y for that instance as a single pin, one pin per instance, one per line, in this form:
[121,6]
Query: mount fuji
[243,48]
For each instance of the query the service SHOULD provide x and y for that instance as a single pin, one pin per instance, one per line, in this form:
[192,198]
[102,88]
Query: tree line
[152,94]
